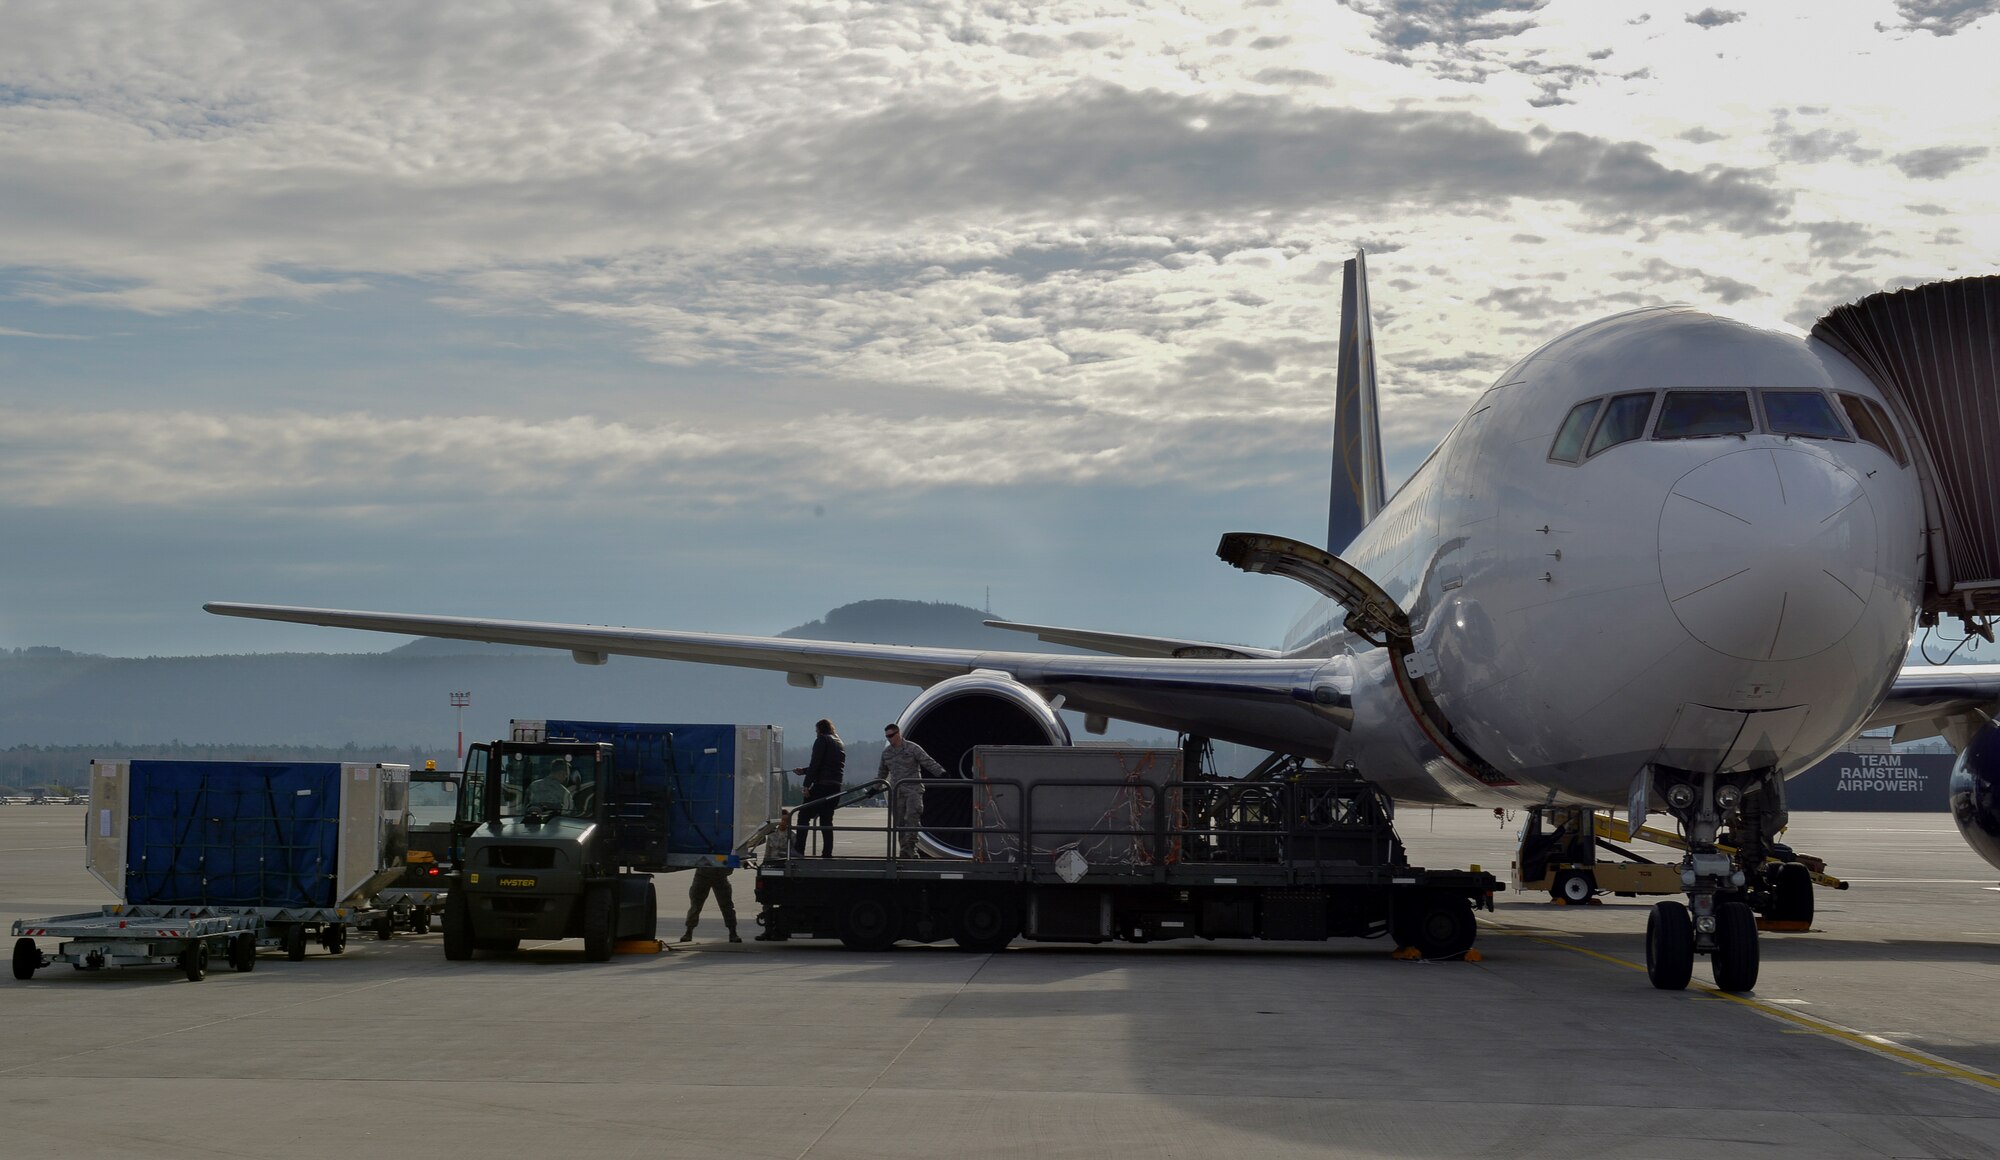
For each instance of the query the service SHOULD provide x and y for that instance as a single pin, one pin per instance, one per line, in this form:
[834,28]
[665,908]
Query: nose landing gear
[1716,920]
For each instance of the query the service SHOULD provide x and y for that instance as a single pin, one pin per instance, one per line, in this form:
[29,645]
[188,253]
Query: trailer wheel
[457,928]
[243,951]
[866,924]
[986,926]
[1445,928]
[385,928]
[600,923]
[1574,887]
[420,920]
[333,938]
[295,942]
[194,961]
[1669,946]
[27,958]
[1735,958]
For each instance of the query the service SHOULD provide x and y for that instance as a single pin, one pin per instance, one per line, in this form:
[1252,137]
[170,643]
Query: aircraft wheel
[600,923]
[27,959]
[1669,946]
[295,942]
[986,926]
[194,962]
[1735,957]
[866,924]
[1574,887]
[457,928]
[243,952]
[650,927]
[1792,894]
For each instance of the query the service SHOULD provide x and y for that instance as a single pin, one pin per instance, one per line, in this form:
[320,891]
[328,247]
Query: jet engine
[949,719]
[1975,793]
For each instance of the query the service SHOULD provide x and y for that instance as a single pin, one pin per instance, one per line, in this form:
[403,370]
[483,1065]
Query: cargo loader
[1089,844]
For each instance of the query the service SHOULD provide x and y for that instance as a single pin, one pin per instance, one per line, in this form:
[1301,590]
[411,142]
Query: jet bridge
[1934,351]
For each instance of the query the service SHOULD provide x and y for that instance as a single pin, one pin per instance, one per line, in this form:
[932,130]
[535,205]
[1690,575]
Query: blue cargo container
[685,794]
[246,834]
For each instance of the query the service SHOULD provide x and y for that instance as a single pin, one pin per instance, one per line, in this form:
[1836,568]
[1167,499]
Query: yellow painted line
[1933,1065]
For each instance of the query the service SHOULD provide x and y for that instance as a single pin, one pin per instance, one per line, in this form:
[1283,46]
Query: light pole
[458,702]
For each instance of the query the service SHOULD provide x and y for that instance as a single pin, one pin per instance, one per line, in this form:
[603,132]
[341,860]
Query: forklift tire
[295,942]
[243,952]
[194,962]
[333,938]
[1444,929]
[866,924]
[457,928]
[1574,887]
[1735,958]
[986,926]
[600,923]
[1669,946]
[1792,894]
[27,958]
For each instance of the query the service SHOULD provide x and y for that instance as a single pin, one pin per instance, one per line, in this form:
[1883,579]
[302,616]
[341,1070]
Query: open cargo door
[1374,616]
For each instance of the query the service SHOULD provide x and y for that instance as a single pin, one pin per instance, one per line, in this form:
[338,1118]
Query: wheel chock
[1558,902]
[1406,954]
[1783,925]
[1472,956]
[640,946]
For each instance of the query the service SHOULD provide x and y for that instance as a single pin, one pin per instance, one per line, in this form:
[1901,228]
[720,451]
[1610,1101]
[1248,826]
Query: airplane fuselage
[1586,605]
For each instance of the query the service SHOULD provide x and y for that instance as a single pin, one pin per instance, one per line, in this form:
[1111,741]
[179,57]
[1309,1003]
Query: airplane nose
[1768,554]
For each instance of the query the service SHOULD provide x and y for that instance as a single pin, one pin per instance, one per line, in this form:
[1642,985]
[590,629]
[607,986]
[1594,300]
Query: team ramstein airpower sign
[1873,781]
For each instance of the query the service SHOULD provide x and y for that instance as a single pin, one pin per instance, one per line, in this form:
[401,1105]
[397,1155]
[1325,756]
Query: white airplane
[1666,561]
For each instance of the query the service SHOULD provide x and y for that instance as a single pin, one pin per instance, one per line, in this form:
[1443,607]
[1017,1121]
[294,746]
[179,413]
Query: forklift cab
[534,782]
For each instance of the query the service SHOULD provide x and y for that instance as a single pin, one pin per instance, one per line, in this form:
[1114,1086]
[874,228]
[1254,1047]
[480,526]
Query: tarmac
[1874,1035]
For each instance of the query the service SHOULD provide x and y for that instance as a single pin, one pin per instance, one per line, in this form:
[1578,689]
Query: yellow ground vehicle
[1561,847]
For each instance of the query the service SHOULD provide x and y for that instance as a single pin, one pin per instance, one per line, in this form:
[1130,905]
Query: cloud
[1407,24]
[1944,17]
[1713,18]
[11,332]
[1937,161]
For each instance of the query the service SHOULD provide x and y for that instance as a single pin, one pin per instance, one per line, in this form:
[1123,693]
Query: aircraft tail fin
[1358,491]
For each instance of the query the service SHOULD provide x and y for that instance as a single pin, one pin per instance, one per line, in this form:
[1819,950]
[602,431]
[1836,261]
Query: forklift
[546,838]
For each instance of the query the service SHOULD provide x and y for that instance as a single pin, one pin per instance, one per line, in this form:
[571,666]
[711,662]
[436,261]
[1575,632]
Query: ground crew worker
[552,790]
[707,878]
[904,762]
[823,780]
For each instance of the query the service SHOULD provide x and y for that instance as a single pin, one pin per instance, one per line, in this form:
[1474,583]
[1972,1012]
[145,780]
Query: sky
[720,315]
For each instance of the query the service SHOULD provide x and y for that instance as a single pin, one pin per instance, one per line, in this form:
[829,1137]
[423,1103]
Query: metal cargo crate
[293,835]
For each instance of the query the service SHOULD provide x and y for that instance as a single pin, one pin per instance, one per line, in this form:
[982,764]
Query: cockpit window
[1871,422]
[1569,440]
[1804,413]
[1694,414]
[1624,421]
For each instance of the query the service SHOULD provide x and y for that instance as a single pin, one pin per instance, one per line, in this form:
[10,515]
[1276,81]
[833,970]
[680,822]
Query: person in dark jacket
[823,773]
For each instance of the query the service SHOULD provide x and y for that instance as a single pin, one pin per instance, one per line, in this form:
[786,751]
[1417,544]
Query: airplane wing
[1928,700]
[1130,645]
[1268,702]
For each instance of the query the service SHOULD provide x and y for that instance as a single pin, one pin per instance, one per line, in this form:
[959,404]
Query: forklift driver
[551,791]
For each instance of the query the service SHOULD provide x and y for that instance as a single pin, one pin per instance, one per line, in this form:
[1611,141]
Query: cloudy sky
[718,315]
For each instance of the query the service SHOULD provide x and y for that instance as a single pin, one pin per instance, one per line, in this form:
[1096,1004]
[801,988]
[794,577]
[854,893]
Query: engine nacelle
[1975,793]
[950,718]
